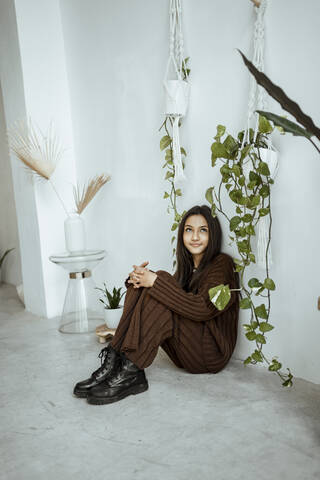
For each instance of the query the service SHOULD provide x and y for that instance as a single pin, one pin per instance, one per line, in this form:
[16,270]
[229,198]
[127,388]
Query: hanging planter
[177,97]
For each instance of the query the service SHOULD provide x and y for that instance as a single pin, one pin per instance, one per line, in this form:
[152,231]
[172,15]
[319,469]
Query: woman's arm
[197,307]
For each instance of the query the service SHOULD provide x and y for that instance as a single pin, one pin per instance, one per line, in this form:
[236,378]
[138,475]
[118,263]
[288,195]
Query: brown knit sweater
[219,326]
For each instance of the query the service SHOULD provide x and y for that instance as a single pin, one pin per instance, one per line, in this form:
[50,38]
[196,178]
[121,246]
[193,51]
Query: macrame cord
[177,91]
[258,101]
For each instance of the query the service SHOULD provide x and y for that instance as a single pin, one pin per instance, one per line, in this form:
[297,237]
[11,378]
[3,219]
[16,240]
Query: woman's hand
[141,276]
[145,279]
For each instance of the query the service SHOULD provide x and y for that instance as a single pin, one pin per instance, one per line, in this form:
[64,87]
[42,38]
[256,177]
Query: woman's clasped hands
[142,276]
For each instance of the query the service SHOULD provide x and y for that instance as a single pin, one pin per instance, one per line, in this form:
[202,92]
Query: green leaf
[220,132]
[209,196]
[251,336]
[264,211]
[164,142]
[220,296]
[264,125]
[182,150]
[274,366]
[247,218]
[261,311]
[287,383]
[269,284]
[280,96]
[244,246]
[252,257]
[231,146]
[168,175]
[178,192]
[253,176]
[218,150]
[250,230]
[166,195]
[257,356]
[213,210]
[168,156]
[286,125]
[247,360]
[263,168]
[260,338]
[265,327]
[264,191]
[245,151]
[245,303]
[242,181]
[235,195]
[254,282]
[254,201]
[174,227]
[238,210]
[234,222]
[173,239]
[236,170]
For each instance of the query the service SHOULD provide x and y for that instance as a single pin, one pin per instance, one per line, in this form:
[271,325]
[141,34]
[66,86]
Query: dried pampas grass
[88,192]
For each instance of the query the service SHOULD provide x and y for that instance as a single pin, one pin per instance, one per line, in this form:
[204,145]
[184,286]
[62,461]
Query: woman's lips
[196,244]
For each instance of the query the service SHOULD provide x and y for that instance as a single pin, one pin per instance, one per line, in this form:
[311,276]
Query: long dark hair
[184,257]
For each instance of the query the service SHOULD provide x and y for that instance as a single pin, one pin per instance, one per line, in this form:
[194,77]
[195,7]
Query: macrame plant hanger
[176,89]
[258,101]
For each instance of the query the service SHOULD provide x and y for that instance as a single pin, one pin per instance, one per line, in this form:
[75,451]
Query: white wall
[115,54]
[116,57]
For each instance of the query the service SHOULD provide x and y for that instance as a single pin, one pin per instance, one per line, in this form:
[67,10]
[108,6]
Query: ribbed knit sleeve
[197,307]
[126,282]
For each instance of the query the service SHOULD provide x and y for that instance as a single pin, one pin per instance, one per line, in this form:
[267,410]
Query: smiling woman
[174,312]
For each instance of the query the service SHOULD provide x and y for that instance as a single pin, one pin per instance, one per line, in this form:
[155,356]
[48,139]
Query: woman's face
[196,235]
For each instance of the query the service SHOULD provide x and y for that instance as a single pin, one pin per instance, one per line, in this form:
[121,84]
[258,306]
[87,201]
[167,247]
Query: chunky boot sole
[81,394]
[133,390]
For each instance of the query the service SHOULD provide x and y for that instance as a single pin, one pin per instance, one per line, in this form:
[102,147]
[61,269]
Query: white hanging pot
[112,316]
[267,155]
[75,235]
[177,97]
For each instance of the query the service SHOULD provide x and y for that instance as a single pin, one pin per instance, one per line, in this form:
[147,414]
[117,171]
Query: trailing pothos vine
[166,145]
[252,200]
[172,193]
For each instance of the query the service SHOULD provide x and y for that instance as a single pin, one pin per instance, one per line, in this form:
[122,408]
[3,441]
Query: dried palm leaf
[39,153]
[88,192]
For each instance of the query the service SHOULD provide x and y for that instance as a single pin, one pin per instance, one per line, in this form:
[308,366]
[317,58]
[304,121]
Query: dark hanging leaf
[286,125]
[280,96]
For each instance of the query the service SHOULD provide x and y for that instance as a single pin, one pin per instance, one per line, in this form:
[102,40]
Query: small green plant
[109,300]
[4,256]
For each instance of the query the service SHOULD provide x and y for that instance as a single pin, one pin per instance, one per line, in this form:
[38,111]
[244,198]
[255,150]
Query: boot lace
[105,361]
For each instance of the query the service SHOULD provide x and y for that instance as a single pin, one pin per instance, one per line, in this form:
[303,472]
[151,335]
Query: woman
[171,311]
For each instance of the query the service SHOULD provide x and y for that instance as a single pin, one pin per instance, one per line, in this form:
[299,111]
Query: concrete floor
[238,424]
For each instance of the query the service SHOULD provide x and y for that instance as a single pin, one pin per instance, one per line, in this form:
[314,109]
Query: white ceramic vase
[112,316]
[75,235]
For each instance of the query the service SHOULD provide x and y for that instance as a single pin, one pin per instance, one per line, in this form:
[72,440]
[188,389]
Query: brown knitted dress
[188,327]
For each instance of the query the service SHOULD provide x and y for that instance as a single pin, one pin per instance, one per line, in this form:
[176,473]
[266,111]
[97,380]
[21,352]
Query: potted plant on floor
[2,260]
[112,308]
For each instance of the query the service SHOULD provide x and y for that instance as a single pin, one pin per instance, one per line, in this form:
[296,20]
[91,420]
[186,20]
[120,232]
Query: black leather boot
[128,379]
[110,359]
